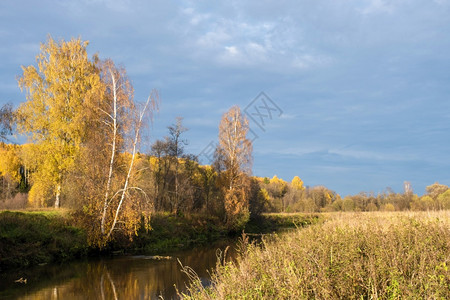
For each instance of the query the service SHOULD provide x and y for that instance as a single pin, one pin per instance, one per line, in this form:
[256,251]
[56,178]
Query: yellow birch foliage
[235,158]
[444,200]
[297,183]
[10,162]
[59,91]
[121,201]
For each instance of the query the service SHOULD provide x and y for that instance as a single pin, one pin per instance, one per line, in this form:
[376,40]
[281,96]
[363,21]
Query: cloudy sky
[358,91]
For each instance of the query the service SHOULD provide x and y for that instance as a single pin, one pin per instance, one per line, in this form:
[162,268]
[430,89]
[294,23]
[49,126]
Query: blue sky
[363,86]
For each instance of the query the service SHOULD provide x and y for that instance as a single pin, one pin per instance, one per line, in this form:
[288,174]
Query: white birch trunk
[133,156]
[58,195]
[113,153]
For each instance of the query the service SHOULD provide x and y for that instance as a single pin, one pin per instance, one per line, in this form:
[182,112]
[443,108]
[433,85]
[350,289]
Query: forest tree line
[199,192]
[85,128]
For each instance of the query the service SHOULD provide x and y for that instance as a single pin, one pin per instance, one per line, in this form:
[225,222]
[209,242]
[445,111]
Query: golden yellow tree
[59,90]
[10,162]
[444,200]
[86,128]
[10,165]
[297,183]
[234,161]
[107,164]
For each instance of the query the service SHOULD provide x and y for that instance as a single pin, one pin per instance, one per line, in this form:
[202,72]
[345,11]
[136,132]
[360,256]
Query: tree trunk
[133,156]
[113,153]
[58,195]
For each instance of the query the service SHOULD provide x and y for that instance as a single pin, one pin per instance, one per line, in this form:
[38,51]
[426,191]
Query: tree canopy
[59,90]
[234,160]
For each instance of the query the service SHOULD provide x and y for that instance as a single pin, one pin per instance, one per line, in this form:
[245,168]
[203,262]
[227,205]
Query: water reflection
[128,277]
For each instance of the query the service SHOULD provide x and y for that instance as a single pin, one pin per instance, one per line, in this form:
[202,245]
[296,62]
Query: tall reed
[351,256]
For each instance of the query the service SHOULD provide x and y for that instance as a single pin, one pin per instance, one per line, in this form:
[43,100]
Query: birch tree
[115,203]
[86,128]
[58,91]
[234,160]
[150,105]
[118,101]
[6,121]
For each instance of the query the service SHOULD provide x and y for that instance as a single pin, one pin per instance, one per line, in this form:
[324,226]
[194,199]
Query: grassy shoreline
[350,256]
[29,238]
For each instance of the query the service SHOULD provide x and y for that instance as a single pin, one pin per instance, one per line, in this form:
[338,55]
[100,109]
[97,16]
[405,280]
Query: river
[124,277]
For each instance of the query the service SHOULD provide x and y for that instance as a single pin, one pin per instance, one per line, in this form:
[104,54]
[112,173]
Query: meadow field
[373,255]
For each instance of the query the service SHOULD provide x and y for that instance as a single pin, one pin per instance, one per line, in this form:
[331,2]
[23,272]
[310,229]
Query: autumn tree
[297,184]
[86,128]
[134,209]
[58,92]
[207,177]
[176,152]
[294,193]
[444,200]
[173,171]
[234,161]
[259,198]
[10,166]
[436,189]
[116,103]
[277,189]
[6,121]
[112,159]
[160,165]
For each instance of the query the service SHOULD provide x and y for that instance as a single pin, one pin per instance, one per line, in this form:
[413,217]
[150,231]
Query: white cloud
[232,51]
[288,116]
[236,40]
[256,50]
[195,18]
[250,54]
[213,39]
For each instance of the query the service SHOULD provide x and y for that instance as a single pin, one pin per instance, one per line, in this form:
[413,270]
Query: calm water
[127,277]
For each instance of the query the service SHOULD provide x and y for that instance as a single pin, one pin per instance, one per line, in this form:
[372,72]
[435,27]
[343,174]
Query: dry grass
[46,211]
[351,256]
[19,201]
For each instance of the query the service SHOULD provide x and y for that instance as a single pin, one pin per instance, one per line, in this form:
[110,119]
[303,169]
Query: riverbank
[171,232]
[350,256]
[29,238]
[38,237]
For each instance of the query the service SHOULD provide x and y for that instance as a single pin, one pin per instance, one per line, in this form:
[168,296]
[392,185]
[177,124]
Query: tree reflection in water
[128,277]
